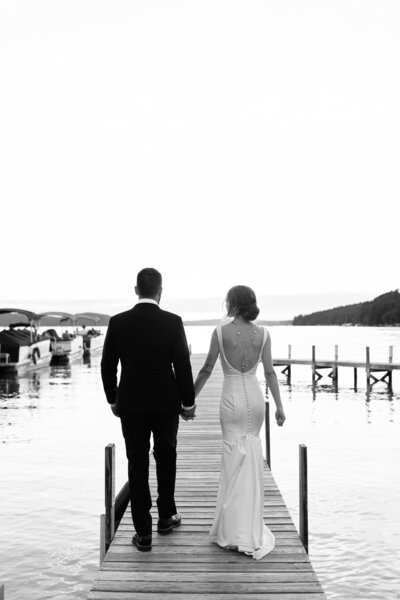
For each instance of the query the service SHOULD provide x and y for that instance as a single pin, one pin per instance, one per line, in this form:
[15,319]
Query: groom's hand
[188,414]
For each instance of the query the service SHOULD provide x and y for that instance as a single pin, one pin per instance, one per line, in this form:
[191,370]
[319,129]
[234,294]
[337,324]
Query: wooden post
[355,379]
[335,370]
[109,476]
[1,592]
[303,495]
[368,367]
[102,537]
[267,436]
[313,369]
[289,367]
[390,362]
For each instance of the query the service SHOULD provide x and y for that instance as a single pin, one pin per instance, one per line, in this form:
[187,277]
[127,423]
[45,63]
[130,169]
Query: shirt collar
[147,301]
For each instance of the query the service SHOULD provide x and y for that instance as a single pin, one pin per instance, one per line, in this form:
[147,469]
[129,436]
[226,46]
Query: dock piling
[335,369]
[313,367]
[303,495]
[289,367]
[103,550]
[109,476]
[267,436]
[390,370]
[368,367]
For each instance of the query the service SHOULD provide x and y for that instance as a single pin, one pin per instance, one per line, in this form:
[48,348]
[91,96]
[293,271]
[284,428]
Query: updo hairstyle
[241,301]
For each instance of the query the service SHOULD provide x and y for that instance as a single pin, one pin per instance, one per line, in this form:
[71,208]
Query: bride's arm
[272,381]
[208,366]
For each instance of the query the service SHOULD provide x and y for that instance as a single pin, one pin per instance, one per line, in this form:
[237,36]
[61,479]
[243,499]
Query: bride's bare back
[242,342]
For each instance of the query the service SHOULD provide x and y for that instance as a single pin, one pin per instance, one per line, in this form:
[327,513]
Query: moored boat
[21,347]
[93,338]
[68,344]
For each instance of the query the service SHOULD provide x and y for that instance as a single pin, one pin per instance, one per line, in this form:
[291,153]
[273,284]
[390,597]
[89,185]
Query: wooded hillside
[382,310]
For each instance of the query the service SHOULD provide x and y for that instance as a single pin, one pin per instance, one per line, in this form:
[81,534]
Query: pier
[184,565]
[374,371]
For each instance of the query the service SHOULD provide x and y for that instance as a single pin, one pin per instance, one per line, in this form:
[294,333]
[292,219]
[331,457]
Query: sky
[221,142]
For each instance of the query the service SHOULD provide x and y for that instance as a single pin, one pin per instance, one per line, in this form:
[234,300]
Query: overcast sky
[221,142]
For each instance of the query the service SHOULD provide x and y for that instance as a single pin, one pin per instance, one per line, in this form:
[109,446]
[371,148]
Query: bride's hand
[280,416]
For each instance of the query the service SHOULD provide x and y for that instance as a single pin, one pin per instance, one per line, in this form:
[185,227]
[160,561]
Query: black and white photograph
[199,299]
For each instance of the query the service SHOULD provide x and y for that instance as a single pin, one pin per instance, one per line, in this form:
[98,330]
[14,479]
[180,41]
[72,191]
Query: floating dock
[184,565]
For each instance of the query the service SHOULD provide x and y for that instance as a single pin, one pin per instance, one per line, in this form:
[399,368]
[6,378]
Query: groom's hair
[149,282]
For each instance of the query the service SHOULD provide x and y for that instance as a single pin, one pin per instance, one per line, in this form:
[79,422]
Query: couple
[156,386]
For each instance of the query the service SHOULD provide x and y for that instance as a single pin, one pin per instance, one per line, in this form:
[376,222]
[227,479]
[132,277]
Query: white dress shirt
[147,301]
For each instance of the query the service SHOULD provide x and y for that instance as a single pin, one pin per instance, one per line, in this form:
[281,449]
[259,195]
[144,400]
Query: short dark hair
[149,282]
[241,300]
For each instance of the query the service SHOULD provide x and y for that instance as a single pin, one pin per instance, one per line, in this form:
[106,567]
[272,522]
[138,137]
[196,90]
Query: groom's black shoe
[142,542]
[167,525]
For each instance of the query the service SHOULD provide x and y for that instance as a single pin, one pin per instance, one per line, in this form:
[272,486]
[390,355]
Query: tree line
[382,310]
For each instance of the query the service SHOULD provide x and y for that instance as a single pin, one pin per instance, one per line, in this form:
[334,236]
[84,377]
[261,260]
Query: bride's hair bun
[241,300]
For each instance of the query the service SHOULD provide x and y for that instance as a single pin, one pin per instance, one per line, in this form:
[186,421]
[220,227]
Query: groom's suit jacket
[156,374]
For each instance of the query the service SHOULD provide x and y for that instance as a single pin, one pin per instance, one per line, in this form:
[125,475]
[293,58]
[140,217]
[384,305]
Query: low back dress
[238,522]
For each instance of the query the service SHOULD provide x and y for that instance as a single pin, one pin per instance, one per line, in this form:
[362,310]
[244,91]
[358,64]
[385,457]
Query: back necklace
[244,343]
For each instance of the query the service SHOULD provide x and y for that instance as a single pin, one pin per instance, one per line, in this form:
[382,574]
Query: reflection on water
[9,388]
[60,374]
[56,423]
[87,360]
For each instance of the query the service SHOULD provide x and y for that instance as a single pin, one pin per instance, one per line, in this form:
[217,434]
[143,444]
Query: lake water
[55,424]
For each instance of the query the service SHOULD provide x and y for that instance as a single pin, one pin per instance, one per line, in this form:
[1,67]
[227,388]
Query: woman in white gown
[238,522]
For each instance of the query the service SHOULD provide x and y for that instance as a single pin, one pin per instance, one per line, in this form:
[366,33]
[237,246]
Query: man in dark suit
[155,386]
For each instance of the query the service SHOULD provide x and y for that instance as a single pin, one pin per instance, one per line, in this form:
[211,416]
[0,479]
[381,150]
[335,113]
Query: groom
[155,386]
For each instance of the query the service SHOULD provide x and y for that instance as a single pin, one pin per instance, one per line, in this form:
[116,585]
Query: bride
[238,522]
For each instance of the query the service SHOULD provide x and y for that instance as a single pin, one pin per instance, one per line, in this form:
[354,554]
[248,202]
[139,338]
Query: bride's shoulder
[264,331]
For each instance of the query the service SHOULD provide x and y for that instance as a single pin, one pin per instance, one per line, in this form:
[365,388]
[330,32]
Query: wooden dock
[383,369]
[184,565]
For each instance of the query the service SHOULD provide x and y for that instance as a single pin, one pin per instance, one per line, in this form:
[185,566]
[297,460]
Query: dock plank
[184,564]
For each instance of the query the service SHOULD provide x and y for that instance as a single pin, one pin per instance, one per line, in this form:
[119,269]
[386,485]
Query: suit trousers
[137,431]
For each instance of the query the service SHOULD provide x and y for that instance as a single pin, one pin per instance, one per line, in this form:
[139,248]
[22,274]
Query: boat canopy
[31,316]
[63,316]
[85,317]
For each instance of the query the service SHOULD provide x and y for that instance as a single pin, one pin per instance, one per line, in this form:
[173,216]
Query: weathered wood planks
[184,565]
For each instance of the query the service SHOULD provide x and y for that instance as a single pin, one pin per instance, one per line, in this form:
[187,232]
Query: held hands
[114,409]
[280,416]
[188,414]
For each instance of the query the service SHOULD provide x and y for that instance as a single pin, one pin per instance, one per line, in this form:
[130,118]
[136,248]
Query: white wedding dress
[238,521]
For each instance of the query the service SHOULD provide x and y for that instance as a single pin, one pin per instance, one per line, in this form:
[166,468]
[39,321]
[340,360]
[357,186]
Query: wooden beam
[390,370]
[267,435]
[109,479]
[103,550]
[303,495]
[121,502]
[313,370]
